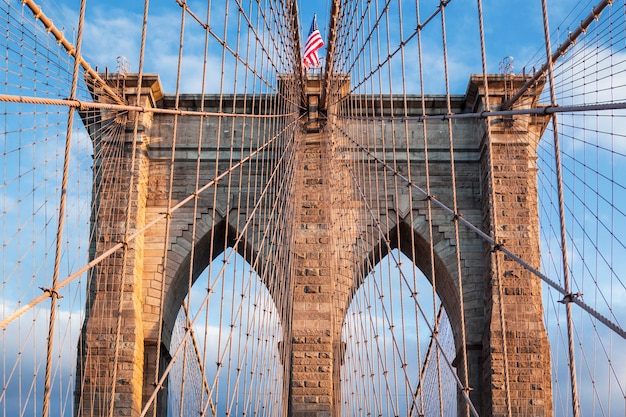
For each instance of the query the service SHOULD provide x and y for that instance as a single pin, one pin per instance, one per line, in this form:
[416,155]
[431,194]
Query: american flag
[313,43]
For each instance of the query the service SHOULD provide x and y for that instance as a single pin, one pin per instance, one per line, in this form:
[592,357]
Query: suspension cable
[559,176]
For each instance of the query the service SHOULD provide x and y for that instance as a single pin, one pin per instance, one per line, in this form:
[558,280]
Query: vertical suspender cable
[168,219]
[559,178]
[457,242]
[457,245]
[128,213]
[495,255]
[411,404]
[200,357]
[431,245]
[61,221]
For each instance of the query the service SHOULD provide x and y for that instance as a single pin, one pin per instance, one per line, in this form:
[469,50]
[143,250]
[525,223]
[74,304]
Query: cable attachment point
[82,106]
[52,293]
[497,247]
[568,298]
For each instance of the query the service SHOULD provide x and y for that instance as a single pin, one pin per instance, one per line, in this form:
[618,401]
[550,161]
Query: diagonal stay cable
[34,302]
[571,39]
[71,50]
[200,362]
[394,52]
[246,226]
[420,386]
[234,53]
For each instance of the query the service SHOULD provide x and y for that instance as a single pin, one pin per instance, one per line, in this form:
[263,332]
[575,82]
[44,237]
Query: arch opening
[391,364]
[229,363]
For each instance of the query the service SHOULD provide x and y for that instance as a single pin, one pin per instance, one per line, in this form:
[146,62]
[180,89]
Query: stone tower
[497,190]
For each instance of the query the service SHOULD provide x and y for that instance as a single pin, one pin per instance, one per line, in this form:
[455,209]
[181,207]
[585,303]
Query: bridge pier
[315,324]
[111,348]
[519,362]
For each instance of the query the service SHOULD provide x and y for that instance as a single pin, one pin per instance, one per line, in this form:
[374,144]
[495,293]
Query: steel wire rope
[539,54]
[241,362]
[433,331]
[395,51]
[381,353]
[431,245]
[254,317]
[348,390]
[39,15]
[249,172]
[215,387]
[200,361]
[389,259]
[220,277]
[383,137]
[547,67]
[410,404]
[550,70]
[544,110]
[61,222]
[576,221]
[290,62]
[101,209]
[383,382]
[575,246]
[373,188]
[142,109]
[166,238]
[256,359]
[598,197]
[35,301]
[493,219]
[37,188]
[200,357]
[269,30]
[208,33]
[424,367]
[280,240]
[397,214]
[373,331]
[346,45]
[226,47]
[593,275]
[599,147]
[223,42]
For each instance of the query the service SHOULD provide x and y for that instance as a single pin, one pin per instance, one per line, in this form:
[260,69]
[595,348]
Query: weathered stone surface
[496,188]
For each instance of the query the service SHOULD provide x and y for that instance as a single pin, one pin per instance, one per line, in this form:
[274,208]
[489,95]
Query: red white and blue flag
[313,43]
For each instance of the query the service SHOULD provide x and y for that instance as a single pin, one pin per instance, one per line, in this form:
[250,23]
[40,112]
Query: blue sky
[113,29]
